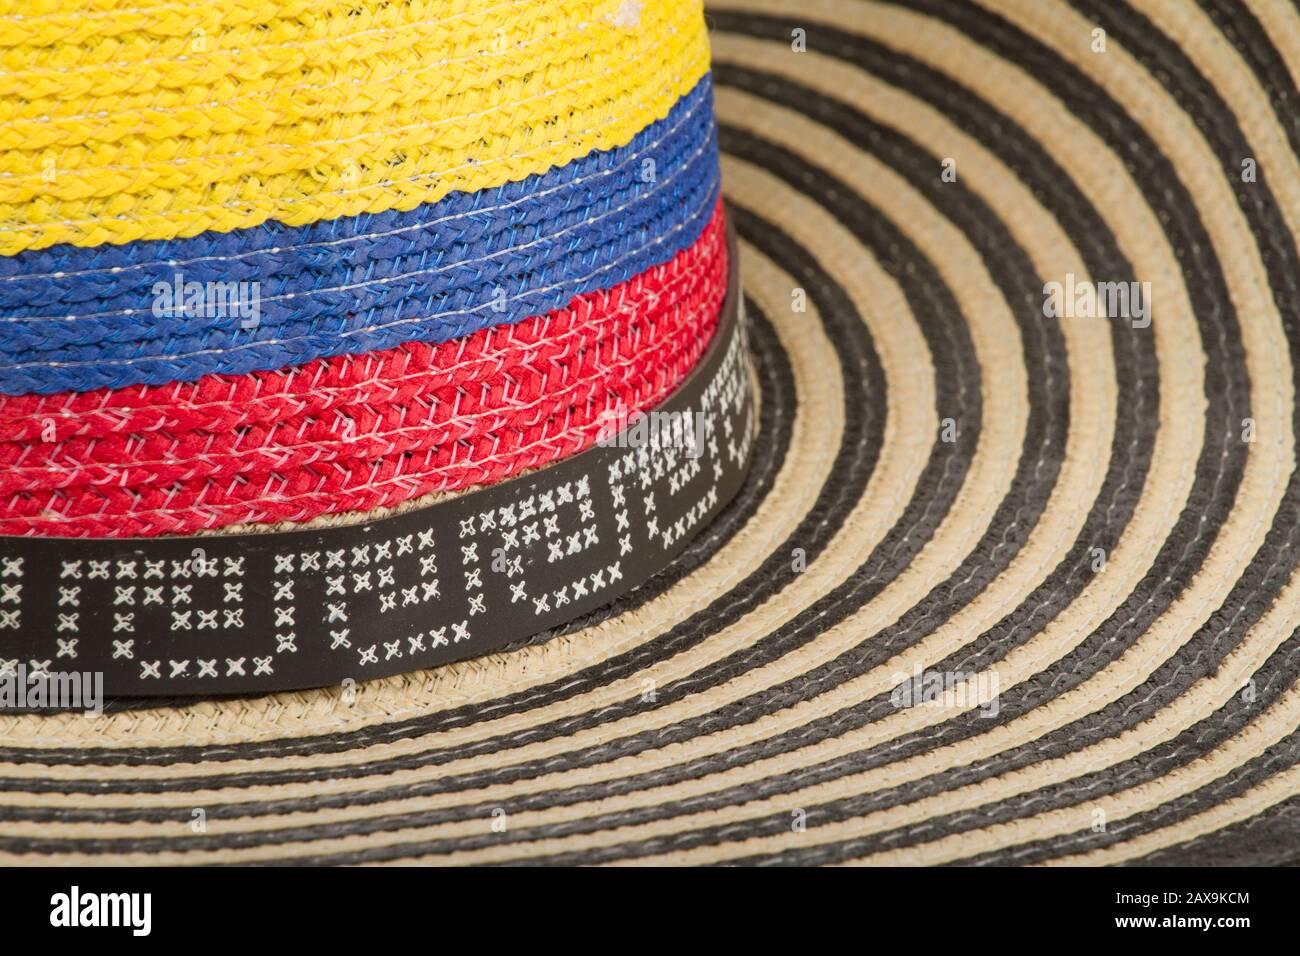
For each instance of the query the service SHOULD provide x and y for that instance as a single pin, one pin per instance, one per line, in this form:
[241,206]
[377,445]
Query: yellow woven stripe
[141,119]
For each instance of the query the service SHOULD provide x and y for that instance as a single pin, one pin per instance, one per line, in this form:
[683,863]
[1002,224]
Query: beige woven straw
[1082,526]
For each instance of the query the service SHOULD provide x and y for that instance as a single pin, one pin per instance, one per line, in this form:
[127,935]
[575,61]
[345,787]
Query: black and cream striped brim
[1097,519]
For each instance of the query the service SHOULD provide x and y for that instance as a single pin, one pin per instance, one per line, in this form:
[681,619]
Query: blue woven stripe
[74,319]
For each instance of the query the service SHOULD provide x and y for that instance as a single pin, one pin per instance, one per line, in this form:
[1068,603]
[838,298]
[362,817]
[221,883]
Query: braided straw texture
[357,432]
[80,319]
[123,120]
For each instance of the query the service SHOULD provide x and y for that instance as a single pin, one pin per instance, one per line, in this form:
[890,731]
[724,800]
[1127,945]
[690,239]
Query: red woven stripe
[353,433]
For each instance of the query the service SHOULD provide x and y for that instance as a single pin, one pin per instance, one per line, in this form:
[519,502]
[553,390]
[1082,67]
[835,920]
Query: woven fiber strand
[1072,505]
[85,318]
[152,123]
[358,432]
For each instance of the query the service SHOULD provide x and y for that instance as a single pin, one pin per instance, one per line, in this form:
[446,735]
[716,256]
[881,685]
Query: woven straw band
[166,120]
[276,295]
[472,574]
[354,433]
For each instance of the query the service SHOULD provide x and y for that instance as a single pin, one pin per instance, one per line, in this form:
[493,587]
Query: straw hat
[1000,568]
